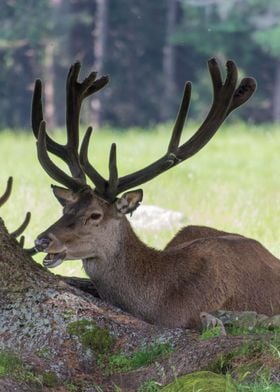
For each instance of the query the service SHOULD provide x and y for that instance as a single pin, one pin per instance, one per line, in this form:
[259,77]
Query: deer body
[171,287]
[200,270]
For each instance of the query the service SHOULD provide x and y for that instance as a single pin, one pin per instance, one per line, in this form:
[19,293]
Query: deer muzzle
[41,244]
[52,259]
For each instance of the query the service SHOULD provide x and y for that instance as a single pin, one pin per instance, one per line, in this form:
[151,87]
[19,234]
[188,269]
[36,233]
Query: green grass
[142,357]
[263,386]
[210,333]
[232,184]
[251,365]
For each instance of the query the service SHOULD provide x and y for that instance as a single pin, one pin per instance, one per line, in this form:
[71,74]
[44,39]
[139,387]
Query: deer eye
[95,216]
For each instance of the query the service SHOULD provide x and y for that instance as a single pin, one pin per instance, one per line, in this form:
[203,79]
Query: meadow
[232,184]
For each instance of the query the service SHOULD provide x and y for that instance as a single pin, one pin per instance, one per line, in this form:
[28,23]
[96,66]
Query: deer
[200,270]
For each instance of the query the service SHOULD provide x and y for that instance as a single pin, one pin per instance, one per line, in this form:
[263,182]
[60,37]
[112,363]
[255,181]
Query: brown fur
[201,269]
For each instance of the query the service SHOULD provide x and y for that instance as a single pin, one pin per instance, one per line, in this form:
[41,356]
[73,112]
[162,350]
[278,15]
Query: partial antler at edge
[7,192]
[24,224]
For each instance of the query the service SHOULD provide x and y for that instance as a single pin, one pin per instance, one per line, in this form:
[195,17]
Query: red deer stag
[202,269]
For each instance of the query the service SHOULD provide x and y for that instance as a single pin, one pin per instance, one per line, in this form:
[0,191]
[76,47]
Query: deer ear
[64,196]
[129,201]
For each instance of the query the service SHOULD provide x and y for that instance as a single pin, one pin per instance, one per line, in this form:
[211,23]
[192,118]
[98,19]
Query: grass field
[232,184]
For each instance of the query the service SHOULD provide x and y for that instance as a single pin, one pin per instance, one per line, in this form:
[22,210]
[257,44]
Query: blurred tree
[266,22]
[100,35]
[24,26]
[169,62]
[245,30]
[135,40]
[148,48]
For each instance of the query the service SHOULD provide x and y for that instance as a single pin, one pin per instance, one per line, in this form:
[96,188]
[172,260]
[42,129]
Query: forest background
[149,48]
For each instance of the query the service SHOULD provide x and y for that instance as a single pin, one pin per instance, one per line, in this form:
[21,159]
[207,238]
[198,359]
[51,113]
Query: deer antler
[24,224]
[75,94]
[22,227]
[226,98]
[7,192]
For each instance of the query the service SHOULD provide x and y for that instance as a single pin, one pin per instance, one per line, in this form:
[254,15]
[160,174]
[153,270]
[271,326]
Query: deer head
[92,216]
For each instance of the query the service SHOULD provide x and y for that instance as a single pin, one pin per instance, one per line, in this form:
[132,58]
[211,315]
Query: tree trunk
[276,94]
[100,39]
[48,70]
[169,86]
[36,309]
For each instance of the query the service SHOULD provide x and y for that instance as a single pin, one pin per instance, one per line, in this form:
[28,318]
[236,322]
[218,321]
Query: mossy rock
[97,339]
[202,381]
[50,379]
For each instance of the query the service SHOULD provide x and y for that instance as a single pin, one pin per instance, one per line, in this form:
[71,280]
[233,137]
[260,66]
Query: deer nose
[42,243]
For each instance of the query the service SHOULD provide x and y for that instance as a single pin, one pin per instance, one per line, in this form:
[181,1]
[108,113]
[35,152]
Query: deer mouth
[54,259]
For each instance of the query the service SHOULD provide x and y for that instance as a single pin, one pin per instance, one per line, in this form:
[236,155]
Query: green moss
[78,328]
[50,379]
[71,387]
[9,363]
[97,339]
[202,381]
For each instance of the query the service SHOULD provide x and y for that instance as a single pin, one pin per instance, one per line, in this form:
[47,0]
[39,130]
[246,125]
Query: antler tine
[21,241]
[225,99]
[53,171]
[243,92]
[223,94]
[7,192]
[97,85]
[23,226]
[91,172]
[180,121]
[106,189]
[76,92]
[37,118]
[113,174]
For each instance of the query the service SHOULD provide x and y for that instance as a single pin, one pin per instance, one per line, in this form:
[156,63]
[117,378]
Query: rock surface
[150,217]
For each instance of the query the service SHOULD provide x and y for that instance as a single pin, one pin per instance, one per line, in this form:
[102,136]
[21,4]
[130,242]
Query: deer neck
[122,257]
